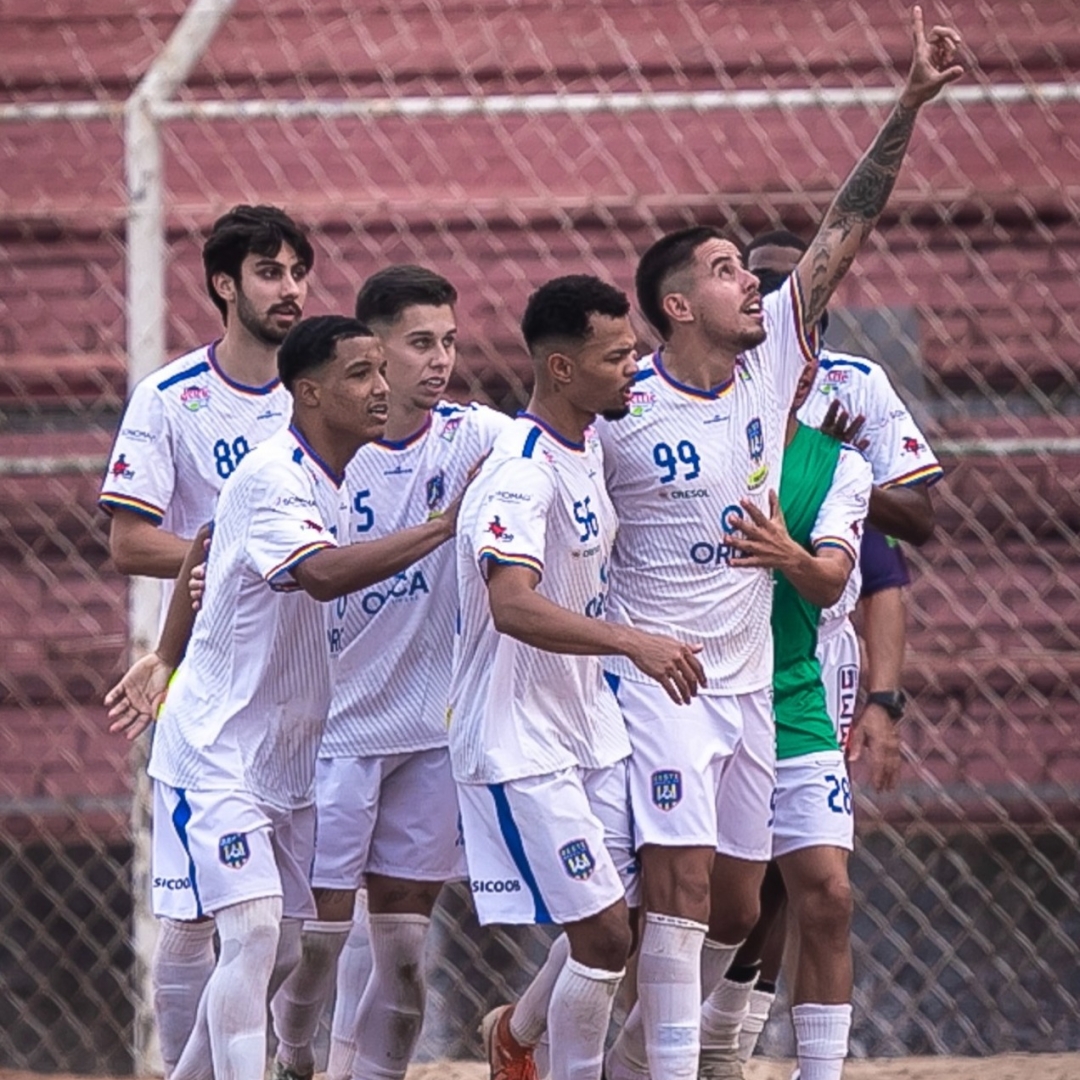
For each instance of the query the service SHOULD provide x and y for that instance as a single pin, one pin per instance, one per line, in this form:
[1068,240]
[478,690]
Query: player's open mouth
[435,385]
[381,411]
[753,308]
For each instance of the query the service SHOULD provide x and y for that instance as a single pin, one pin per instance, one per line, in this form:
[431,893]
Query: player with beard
[706,432]
[183,433]
[538,747]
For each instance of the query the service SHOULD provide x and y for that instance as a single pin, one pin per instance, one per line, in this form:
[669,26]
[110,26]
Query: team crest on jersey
[233,850]
[641,401]
[498,529]
[121,470]
[435,493]
[194,398]
[837,376]
[450,429]
[578,859]
[912,445]
[667,788]
[755,440]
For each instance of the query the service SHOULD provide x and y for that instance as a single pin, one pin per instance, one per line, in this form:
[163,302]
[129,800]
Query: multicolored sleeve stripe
[490,554]
[296,558]
[109,503]
[928,474]
[809,339]
[837,542]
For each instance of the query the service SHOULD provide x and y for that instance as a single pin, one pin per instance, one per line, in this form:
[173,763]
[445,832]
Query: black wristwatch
[892,701]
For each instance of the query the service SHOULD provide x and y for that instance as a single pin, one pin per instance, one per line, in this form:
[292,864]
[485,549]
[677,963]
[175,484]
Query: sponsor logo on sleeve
[313,526]
[138,435]
[755,440]
[667,788]
[233,850]
[194,398]
[911,445]
[512,496]
[578,859]
[121,470]
[499,530]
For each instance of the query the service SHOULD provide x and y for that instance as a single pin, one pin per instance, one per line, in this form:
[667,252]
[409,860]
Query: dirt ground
[1004,1067]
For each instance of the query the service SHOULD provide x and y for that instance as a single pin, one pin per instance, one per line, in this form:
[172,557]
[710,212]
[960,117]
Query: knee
[398,896]
[825,909]
[335,905]
[733,915]
[604,941]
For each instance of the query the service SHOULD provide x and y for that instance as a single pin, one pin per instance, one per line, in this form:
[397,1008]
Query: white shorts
[550,849]
[838,653]
[813,804]
[211,849]
[395,815]
[701,775]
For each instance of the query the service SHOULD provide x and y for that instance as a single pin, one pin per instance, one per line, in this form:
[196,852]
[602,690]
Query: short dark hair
[561,308]
[250,230]
[777,238]
[311,343]
[387,293]
[668,255]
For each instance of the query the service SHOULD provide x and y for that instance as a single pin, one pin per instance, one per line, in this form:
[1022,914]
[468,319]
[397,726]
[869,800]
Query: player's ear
[225,286]
[560,368]
[676,306]
[307,392]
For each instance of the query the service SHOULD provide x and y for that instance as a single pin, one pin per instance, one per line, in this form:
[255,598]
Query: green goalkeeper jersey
[803,725]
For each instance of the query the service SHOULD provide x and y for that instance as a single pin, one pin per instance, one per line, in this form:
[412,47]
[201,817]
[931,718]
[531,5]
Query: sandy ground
[1003,1067]
[1006,1067]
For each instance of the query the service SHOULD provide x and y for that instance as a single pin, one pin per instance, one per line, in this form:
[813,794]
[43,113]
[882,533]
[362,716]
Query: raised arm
[861,199]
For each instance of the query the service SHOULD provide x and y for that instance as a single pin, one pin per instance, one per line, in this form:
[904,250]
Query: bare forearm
[140,547]
[854,212]
[884,632]
[337,571]
[180,619]
[905,513]
[819,578]
[537,621]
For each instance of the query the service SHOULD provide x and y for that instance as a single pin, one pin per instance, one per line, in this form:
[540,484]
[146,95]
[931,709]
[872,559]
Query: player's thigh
[293,839]
[416,835]
[678,753]
[347,794]
[209,849]
[744,795]
[838,654]
[814,804]
[609,796]
[536,851]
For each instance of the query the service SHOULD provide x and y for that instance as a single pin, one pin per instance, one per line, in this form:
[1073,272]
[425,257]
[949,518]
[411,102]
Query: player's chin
[618,413]
[753,336]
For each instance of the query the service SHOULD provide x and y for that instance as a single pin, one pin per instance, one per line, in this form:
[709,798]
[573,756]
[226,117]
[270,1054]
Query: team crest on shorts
[667,788]
[233,850]
[578,859]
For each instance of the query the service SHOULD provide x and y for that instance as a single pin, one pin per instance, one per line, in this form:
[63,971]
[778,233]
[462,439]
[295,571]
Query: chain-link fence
[502,144]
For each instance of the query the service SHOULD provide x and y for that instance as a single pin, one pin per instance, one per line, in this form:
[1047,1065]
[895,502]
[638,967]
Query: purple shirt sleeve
[882,563]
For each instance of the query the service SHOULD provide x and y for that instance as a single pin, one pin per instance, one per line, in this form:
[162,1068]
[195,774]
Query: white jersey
[898,451]
[248,705]
[840,518]
[516,711]
[393,676]
[677,468]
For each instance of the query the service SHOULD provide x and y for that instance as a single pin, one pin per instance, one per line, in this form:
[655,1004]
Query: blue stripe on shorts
[514,844]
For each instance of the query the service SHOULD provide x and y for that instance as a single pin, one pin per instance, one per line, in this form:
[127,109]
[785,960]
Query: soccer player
[184,431]
[811,545]
[233,760]
[705,433]
[538,746]
[386,801]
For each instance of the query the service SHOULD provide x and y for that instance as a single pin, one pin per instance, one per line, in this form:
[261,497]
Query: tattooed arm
[863,196]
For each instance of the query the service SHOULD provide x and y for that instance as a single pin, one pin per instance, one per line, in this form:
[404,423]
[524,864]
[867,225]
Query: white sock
[723,1014]
[183,962]
[233,1007]
[669,994]
[289,951]
[761,1003]
[392,1008]
[298,1005]
[578,1019]
[530,1016]
[821,1039]
[353,970]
